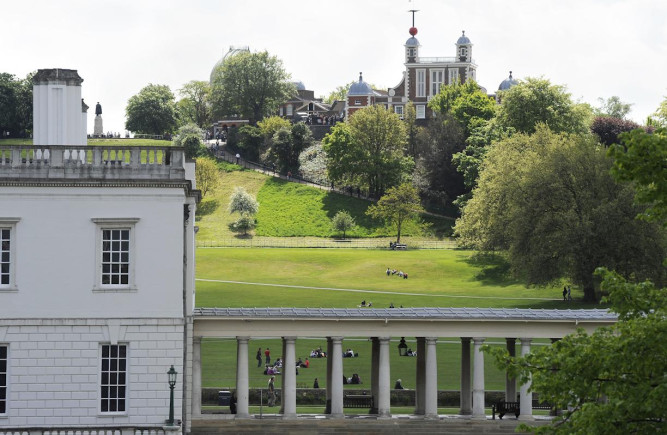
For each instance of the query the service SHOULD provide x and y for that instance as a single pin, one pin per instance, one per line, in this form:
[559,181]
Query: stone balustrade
[91,162]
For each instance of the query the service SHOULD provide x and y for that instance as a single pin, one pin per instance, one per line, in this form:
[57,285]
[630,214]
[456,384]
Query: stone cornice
[68,77]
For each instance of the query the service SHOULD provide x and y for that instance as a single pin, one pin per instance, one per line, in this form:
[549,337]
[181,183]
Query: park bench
[357,401]
[399,247]
[501,408]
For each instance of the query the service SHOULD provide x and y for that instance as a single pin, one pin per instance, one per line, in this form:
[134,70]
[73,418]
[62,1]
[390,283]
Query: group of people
[567,293]
[400,273]
[318,353]
[355,379]
[349,353]
[364,304]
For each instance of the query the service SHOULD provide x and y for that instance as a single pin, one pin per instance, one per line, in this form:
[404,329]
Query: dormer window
[357,102]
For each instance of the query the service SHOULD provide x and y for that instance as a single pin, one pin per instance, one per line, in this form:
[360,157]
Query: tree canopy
[207,177]
[368,150]
[16,105]
[464,102]
[612,381]
[152,111]
[535,101]
[399,205]
[613,107]
[287,145]
[190,137]
[250,85]
[194,106]
[342,222]
[551,202]
[641,158]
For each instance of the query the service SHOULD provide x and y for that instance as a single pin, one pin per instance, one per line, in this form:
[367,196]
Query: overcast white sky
[597,48]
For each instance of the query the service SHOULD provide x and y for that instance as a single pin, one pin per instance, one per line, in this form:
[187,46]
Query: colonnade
[426,386]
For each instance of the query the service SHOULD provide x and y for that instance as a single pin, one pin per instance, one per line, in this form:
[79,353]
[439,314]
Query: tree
[194,105]
[550,201]
[613,107]
[535,101]
[464,102]
[243,202]
[288,145]
[608,128]
[245,223]
[660,115]
[250,85]
[15,105]
[612,381]
[438,180]
[249,142]
[368,150]
[399,205]
[270,125]
[413,130]
[152,111]
[640,158]
[343,222]
[190,137]
[207,177]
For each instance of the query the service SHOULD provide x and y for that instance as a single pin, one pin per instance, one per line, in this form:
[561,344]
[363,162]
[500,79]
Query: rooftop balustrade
[91,162]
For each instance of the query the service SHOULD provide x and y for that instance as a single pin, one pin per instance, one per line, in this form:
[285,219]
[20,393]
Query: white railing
[52,161]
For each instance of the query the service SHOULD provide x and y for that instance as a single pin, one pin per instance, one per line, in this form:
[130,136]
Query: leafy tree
[15,105]
[550,201]
[660,115]
[250,142]
[250,85]
[613,107]
[367,150]
[343,222]
[399,205]
[641,158]
[207,176]
[612,381]
[194,105]
[413,130]
[190,137]
[608,128]
[270,125]
[152,111]
[436,175]
[243,202]
[245,223]
[535,101]
[465,102]
[288,145]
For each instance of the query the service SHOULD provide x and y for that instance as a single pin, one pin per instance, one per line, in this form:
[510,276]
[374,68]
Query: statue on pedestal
[98,130]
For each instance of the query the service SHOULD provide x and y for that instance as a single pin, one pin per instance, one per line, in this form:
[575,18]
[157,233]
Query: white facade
[100,288]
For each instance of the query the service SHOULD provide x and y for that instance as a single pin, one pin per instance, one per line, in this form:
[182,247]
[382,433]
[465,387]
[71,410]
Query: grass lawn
[447,278]
[290,209]
[219,363]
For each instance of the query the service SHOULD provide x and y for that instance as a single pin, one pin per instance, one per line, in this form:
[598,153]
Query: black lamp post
[172,383]
[402,347]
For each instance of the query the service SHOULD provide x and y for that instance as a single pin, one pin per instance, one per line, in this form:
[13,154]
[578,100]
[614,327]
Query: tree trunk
[398,236]
[589,294]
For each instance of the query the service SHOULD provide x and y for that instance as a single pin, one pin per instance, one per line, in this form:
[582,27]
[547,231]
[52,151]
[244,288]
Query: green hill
[289,209]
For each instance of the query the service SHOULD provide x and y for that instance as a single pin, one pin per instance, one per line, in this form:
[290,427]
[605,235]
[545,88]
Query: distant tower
[58,112]
[464,48]
[412,44]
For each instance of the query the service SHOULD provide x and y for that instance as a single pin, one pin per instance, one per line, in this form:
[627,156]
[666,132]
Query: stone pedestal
[98,129]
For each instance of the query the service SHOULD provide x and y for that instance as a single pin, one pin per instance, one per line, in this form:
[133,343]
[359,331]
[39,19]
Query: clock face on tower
[391,92]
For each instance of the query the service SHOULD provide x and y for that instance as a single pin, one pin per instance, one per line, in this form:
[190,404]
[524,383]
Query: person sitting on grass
[398,385]
[356,380]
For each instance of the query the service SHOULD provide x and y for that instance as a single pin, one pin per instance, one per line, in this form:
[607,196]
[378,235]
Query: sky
[596,48]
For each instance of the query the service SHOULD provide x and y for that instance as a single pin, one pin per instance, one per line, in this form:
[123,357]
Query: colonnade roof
[426,313]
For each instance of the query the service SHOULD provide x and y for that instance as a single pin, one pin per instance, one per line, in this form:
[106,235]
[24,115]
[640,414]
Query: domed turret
[360,88]
[464,48]
[299,85]
[507,83]
[232,51]
[412,46]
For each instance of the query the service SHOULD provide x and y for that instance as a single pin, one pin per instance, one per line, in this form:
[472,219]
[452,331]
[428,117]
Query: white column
[420,380]
[242,377]
[329,377]
[196,377]
[337,376]
[478,380]
[384,380]
[289,378]
[375,366]
[525,397]
[510,383]
[431,380]
[466,396]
